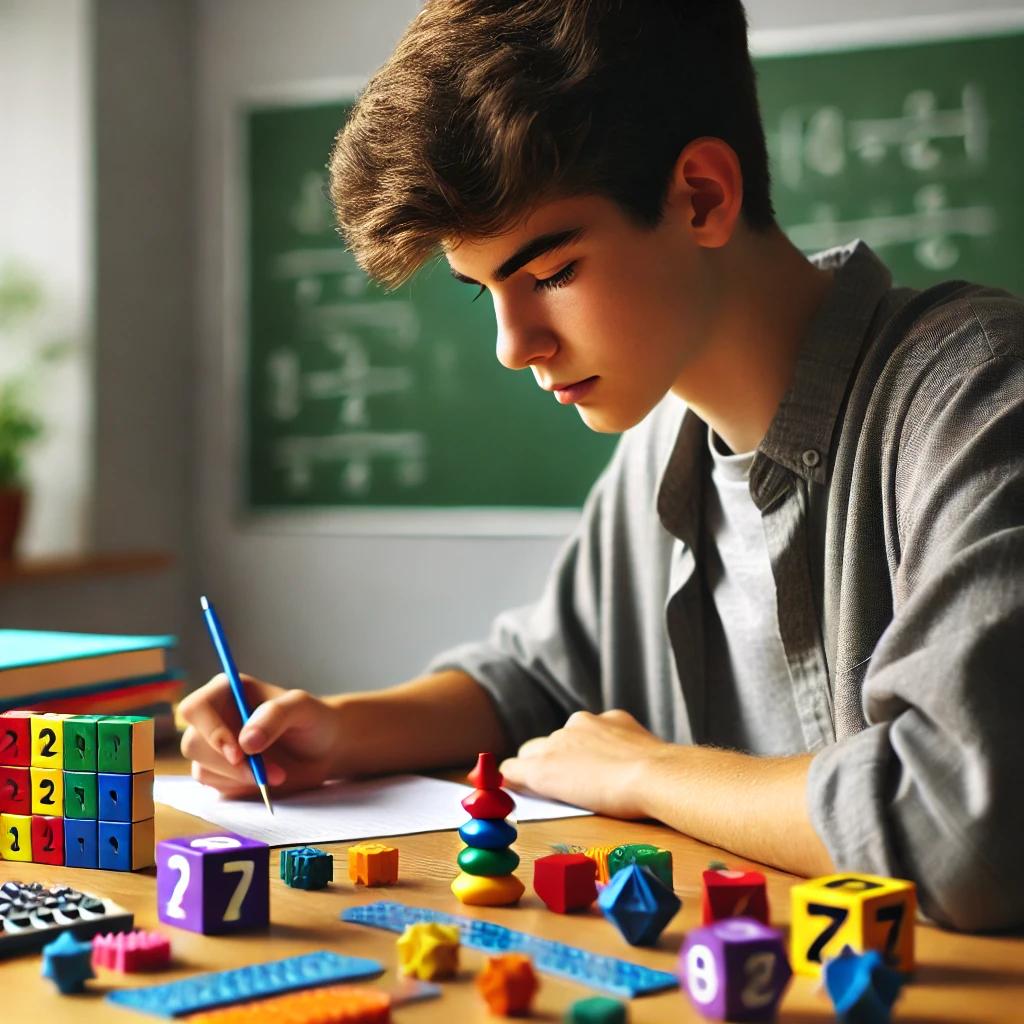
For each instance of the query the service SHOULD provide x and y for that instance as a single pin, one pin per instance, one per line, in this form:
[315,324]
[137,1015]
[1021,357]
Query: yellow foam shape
[428,950]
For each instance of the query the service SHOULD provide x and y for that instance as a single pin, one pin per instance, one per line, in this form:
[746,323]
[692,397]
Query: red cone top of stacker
[486,775]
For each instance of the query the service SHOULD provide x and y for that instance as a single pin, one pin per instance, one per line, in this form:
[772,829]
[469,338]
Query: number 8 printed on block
[213,883]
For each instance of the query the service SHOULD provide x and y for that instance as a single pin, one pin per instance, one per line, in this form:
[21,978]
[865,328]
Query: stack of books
[90,674]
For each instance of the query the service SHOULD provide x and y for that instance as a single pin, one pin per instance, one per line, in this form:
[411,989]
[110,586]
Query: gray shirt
[906,409]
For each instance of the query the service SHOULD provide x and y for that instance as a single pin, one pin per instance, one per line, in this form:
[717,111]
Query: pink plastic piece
[131,951]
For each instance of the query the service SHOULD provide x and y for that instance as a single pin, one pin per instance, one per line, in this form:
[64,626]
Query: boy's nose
[520,347]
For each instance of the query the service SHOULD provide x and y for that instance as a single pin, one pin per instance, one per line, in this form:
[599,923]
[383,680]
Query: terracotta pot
[12,513]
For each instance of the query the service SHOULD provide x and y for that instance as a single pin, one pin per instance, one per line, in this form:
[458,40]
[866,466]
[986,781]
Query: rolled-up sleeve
[930,790]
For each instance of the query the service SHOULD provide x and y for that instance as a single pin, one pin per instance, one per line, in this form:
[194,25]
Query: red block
[486,775]
[47,839]
[565,881]
[15,740]
[734,894]
[489,803]
[15,790]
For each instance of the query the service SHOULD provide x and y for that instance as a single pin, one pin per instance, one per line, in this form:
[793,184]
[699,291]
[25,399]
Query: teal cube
[80,743]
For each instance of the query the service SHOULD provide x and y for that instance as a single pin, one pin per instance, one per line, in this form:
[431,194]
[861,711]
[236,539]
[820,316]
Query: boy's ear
[707,190]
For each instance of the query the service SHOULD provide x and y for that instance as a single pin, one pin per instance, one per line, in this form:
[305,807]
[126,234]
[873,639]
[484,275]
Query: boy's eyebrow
[539,246]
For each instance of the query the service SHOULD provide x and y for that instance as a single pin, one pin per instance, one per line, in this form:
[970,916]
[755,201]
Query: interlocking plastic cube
[861,987]
[429,951]
[654,857]
[47,732]
[16,738]
[860,911]
[726,893]
[638,904]
[214,883]
[306,868]
[124,744]
[565,881]
[124,845]
[735,969]
[16,837]
[372,864]
[80,742]
[596,1010]
[15,790]
[508,984]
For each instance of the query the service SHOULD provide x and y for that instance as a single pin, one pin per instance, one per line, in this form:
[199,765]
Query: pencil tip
[266,797]
[204,604]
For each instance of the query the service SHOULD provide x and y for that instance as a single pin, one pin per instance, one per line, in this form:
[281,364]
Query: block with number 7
[863,912]
[214,883]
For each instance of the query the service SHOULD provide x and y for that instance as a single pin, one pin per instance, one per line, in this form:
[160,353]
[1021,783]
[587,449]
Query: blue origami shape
[68,963]
[307,868]
[639,904]
[861,987]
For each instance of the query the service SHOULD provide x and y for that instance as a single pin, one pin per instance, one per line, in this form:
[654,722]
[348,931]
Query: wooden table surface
[959,977]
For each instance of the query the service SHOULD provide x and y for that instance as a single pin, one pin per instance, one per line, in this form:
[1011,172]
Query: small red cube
[47,839]
[15,739]
[733,894]
[565,881]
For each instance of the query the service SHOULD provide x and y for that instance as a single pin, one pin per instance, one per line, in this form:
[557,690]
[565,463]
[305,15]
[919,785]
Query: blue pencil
[220,643]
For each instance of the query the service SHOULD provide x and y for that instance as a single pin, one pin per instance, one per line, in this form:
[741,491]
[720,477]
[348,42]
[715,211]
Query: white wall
[46,222]
[337,612]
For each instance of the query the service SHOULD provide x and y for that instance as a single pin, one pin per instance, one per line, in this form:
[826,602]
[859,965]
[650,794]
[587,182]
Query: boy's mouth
[568,394]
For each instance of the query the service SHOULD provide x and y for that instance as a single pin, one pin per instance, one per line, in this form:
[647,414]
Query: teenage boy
[790,620]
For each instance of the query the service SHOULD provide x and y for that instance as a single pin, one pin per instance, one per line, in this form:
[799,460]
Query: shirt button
[810,458]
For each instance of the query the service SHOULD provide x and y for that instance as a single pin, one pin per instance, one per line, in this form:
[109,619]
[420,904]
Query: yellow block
[861,911]
[16,838]
[47,733]
[428,950]
[482,891]
[47,791]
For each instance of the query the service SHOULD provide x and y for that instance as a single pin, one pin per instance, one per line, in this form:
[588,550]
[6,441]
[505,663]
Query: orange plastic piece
[508,983]
[335,1004]
[372,864]
[600,855]
[486,775]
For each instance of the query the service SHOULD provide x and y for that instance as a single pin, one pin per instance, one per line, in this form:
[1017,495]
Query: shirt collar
[799,438]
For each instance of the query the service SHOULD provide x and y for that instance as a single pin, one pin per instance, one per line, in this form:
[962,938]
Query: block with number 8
[863,912]
[735,969]
[213,883]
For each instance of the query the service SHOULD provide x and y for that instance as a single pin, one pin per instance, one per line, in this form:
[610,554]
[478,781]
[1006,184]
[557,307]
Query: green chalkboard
[360,398]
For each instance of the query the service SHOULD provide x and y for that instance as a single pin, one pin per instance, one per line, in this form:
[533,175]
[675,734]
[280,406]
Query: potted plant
[21,299]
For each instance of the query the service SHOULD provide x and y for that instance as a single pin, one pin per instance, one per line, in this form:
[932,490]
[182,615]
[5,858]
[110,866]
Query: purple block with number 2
[213,883]
[735,969]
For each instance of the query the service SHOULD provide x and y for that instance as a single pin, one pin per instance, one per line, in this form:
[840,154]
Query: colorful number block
[735,969]
[124,744]
[429,951]
[15,738]
[16,838]
[47,732]
[81,795]
[565,881]
[728,893]
[125,797]
[80,742]
[653,857]
[125,845]
[863,912]
[15,790]
[80,838]
[47,839]
[372,864]
[508,984]
[214,883]
[639,904]
[47,790]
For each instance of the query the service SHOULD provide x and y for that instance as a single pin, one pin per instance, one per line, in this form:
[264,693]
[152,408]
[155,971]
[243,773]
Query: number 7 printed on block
[213,883]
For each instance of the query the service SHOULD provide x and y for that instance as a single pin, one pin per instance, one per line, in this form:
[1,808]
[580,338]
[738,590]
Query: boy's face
[609,318]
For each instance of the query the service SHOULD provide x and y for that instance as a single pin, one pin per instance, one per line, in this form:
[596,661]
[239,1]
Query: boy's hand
[296,732]
[604,763]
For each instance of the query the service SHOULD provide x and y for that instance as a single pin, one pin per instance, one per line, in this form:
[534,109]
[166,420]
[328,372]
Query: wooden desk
[959,978]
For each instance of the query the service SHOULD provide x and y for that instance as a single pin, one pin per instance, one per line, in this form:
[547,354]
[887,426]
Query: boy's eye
[563,277]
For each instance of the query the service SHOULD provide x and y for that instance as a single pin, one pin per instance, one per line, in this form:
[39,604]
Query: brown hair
[489,107]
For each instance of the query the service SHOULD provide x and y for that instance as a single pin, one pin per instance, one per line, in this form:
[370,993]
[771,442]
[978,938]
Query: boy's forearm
[754,806]
[435,721]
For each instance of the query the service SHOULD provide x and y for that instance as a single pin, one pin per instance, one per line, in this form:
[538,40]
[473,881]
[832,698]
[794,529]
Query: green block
[80,795]
[80,743]
[488,863]
[124,744]
[654,857]
[597,1010]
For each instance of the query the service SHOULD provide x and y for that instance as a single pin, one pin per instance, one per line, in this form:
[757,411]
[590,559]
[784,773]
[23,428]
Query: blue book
[32,661]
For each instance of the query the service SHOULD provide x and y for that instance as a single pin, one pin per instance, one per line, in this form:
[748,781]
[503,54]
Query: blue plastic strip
[601,972]
[243,984]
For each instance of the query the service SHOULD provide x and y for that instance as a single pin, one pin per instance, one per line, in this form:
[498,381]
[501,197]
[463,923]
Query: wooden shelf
[113,563]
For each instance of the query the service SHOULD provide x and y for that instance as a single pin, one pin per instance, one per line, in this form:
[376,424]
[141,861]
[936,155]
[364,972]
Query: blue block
[488,833]
[80,843]
[861,987]
[602,972]
[639,904]
[259,981]
[307,867]
[115,845]
[115,797]
[68,963]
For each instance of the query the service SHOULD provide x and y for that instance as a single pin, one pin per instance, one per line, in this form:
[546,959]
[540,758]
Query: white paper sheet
[342,811]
